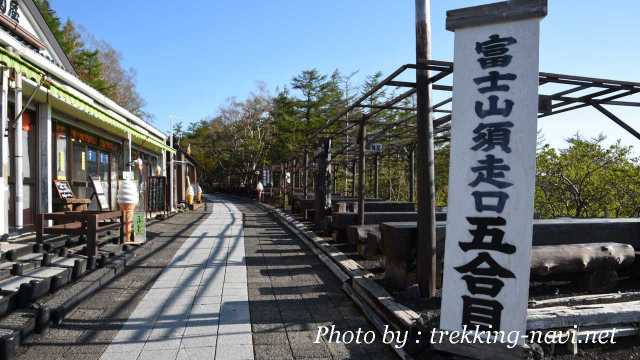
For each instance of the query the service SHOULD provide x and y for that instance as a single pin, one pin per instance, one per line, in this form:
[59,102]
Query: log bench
[358,234]
[548,235]
[306,207]
[339,222]
[399,250]
[91,224]
[593,266]
[374,206]
[583,231]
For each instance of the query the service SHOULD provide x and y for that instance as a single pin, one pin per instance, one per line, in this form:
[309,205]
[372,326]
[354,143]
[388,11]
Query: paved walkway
[212,286]
[198,307]
[292,293]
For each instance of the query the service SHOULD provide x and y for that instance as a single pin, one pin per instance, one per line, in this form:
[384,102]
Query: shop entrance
[80,156]
[99,165]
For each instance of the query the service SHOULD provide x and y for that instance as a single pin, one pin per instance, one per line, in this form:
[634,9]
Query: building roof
[48,34]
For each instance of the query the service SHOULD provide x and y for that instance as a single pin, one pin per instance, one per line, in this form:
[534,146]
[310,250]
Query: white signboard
[492,175]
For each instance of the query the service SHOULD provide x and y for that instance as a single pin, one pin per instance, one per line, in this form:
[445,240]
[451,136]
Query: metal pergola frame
[577,92]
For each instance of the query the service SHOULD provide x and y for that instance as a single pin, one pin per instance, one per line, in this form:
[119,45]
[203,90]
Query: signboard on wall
[492,174]
[157,194]
[139,227]
[98,192]
[63,189]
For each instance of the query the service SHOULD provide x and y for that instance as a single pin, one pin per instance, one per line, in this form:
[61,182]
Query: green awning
[106,117]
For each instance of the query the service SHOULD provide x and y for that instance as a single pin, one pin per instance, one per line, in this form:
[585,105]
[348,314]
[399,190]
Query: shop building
[185,174]
[58,128]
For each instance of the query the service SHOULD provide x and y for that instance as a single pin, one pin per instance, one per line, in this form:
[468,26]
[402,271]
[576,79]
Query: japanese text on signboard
[484,276]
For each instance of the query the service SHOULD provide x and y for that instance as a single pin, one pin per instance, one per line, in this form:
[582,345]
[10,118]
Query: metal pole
[129,160]
[361,170]
[5,162]
[353,178]
[284,186]
[294,176]
[346,178]
[19,181]
[171,171]
[330,174]
[306,174]
[426,259]
[376,175]
[292,187]
[412,171]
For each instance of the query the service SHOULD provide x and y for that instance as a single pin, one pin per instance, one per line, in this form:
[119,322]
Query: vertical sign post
[492,174]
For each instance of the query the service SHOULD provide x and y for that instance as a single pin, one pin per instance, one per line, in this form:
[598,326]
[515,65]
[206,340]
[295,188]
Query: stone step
[111,249]
[25,288]
[53,244]
[6,269]
[58,276]
[20,268]
[77,265]
[5,303]
[13,251]
[33,257]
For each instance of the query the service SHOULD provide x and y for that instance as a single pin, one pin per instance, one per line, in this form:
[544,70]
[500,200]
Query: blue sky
[191,56]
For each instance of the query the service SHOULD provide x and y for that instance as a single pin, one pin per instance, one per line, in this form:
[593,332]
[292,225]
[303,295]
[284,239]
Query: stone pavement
[292,293]
[211,286]
[198,307]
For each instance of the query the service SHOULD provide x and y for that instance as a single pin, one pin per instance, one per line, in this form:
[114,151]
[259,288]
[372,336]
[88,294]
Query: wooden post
[322,182]
[334,176]
[92,237]
[40,224]
[122,224]
[426,257]
[361,169]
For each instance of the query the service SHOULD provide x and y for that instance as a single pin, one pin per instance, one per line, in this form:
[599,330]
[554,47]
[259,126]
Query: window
[28,145]
[79,161]
[92,162]
[104,166]
[60,138]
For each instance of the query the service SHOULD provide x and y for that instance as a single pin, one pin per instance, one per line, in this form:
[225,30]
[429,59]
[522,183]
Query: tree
[587,179]
[121,82]
[97,64]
